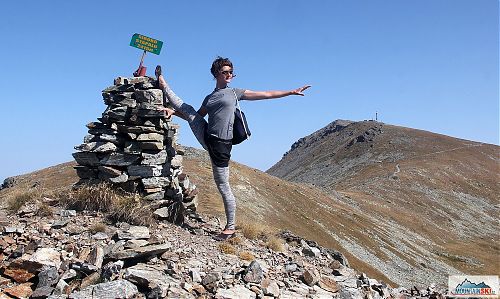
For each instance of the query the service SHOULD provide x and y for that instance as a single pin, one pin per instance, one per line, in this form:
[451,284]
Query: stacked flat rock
[133,146]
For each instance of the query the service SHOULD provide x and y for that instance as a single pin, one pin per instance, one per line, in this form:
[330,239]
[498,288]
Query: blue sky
[426,64]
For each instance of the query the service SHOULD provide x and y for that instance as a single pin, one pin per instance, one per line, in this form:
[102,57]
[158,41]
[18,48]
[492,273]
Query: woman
[215,136]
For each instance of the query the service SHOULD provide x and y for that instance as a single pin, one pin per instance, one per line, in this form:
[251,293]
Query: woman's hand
[300,91]
[168,112]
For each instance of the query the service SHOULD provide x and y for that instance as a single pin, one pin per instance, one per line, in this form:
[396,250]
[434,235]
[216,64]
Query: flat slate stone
[151,96]
[85,158]
[118,159]
[144,171]
[151,145]
[155,182]
[154,159]
[134,232]
[108,290]
[140,252]
[145,275]
[96,147]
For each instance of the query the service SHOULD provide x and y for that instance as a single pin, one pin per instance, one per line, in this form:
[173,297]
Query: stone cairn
[134,147]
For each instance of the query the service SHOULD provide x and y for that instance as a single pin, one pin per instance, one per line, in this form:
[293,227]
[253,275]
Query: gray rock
[144,171]
[69,274]
[144,275]
[131,103]
[210,280]
[311,252]
[117,113]
[67,213]
[154,159]
[47,256]
[85,172]
[118,88]
[61,288]
[162,213]
[108,172]
[134,232]
[237,292]
[137,80]
[138,129]
[86,158]
[155,182]
[176,161]
[9,182]
[100,236]
[155,137]
[60,224]
[311,277]
[151,96]
[253,273]
[13,230]
[135,243]
[151,145]
[96,256]
[132,148]
[111,138]
[122,178]
[271,288]
[111,270]
[140,252]
[291,268]
[84,267]
[155,196]
[47,277]
[118,159]
[108,290]
[41,292]
[195,275]
[96,147]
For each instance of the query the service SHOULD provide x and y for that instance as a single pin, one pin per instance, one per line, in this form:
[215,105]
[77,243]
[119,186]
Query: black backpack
[241,132]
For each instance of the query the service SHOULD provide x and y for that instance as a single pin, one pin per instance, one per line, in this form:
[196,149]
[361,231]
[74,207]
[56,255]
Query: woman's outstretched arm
[251,95]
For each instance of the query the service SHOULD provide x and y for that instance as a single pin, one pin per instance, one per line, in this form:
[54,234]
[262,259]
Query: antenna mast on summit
[376,116]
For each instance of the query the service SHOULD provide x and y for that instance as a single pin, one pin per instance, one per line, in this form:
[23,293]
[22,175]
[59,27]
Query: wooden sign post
[147,44]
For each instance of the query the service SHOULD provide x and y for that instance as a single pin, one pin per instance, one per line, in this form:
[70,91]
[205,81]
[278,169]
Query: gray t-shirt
[220,105]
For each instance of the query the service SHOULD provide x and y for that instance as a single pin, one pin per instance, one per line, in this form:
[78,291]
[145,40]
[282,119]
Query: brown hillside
[433,198]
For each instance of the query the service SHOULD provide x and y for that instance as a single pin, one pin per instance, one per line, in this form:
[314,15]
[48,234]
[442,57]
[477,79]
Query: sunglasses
[225,73]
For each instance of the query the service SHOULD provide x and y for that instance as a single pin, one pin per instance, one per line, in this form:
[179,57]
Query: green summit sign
[146,43]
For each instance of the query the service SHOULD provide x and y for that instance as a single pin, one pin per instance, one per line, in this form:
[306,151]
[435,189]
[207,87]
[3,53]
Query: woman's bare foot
[159,77]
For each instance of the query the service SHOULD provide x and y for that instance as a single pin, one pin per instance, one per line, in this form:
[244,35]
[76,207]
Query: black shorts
[219,150]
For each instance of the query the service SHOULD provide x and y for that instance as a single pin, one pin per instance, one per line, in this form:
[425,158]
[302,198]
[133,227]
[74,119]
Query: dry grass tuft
[252,230]
[44,210]
[227,248]
[20,197]
[235,240]
[97,227]
[247,256]
[275,244]
[117,205]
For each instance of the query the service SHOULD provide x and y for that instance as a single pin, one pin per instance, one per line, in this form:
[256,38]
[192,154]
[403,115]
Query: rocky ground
[49,252]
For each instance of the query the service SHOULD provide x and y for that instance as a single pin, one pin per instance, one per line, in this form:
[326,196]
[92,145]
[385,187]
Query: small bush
[17,200]
[227,248]
[275,244]
[97,227]
[247,256]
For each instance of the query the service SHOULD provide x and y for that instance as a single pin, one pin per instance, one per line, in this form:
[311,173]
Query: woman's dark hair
[218,63]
